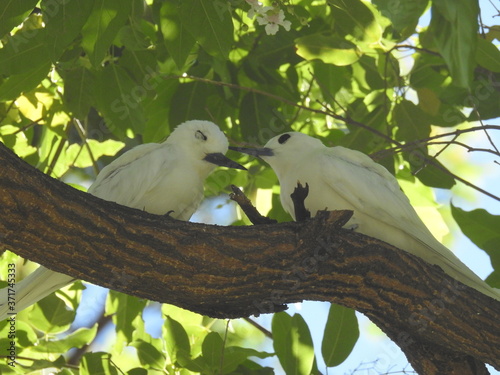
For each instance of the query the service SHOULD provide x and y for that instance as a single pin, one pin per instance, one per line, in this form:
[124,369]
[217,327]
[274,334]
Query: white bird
[160,178]
[340,178]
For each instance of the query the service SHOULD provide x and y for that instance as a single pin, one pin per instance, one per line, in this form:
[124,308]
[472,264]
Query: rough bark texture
[443,326]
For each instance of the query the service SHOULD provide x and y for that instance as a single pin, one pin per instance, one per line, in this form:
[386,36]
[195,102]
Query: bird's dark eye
[200,135]
[283,138]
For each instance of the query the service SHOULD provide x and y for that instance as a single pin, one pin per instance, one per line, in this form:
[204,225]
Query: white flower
[255,8]
[272,18]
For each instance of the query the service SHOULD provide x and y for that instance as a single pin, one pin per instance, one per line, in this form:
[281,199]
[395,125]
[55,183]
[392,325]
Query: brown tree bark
[443,326]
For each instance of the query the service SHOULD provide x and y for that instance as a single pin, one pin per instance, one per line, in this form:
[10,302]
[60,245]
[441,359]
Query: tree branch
[226,272]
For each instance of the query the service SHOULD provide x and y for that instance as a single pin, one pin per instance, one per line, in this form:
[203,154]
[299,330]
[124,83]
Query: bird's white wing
[370,188]
[386,213]
[128,178]
[33,288]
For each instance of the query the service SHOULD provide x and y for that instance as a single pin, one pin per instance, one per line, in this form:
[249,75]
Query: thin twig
[412,145]
[299,110]
[26,127]
[7,111]
[435,156]
[81,133]
[266,332]
[487,134]
[248,208]
[57,154]
[469,148]
[221,364]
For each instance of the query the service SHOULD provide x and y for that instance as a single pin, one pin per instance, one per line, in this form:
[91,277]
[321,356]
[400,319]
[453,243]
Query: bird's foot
[352,227]
[299,196]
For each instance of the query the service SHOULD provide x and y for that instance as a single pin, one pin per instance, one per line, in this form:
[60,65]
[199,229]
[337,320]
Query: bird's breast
[321,195]
[179,193]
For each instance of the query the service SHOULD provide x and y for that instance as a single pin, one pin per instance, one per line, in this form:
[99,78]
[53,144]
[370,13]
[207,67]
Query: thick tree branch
[443,326]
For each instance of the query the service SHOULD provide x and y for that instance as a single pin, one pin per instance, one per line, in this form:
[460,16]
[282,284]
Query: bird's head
[284,149]
[204,141]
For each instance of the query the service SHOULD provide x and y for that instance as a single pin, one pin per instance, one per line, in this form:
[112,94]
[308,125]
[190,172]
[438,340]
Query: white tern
[340,178]
[160,178]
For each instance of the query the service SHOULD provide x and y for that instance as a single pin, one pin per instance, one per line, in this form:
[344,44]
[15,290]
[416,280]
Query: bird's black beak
[257,152]
[222,160]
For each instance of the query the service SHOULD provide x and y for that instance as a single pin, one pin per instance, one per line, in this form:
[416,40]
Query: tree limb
[441,325]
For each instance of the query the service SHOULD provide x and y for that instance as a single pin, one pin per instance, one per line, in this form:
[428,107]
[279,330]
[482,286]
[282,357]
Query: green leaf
[270,52]
[124,309]
[484,97]
[356,18]
[64,21]
[212,349]
[442,113]
[24,52]
[137,371]
[119,99]
[259,119]
[368,76]
[133,38]
[98,363]
[142,66]
[210,23]
[13,13]
[188,102]
[79,154]
[428,173]
[102,26]
[149,356]
[17,84]
[235,355]
[281,328]
[426,72]
[454,27]
[176,340]
[369,110]
[404,14]
[157,125]
[76,339]
[77,91]
[194,325]
[388,68]
[488,55]
[25,333]
[50,315]
[341,334]
[412,122]
[494,279]
[176,37]
[198,365]
[50,149]
[333,78]
[328,48]
[293,343]
[481,228]
[41,364]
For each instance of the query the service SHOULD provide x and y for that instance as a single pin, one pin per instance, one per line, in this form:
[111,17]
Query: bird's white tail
[450,264]
[31,289]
